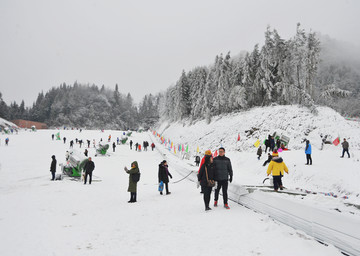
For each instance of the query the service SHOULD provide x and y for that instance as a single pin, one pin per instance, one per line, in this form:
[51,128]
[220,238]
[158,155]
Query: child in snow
[268,160]
[197,160]
[259,152]
[277,168]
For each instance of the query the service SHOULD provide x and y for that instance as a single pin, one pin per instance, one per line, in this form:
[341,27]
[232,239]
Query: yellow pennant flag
[257,143]
[197,150]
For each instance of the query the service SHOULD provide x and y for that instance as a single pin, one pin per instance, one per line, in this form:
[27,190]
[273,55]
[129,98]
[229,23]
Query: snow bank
[6,124]
[295,122]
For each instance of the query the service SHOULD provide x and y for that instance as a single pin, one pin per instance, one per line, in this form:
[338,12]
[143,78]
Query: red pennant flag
[238,137]
[336,141]
[216,153]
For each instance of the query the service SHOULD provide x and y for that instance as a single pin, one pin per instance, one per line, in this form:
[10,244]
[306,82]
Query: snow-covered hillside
[6,124]
[329,172]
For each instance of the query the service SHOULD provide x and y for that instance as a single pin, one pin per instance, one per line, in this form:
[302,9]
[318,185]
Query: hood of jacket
[277,159]
[135,163]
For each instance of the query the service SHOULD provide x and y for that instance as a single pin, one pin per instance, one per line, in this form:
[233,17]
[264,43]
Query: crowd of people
[144,146]
[214,172]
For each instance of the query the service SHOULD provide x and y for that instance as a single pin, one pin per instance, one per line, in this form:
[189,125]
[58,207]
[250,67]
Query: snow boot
[226,206]
[215,203]
[207,208]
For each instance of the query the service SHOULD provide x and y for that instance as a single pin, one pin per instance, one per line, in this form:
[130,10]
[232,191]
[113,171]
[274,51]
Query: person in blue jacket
[308,153]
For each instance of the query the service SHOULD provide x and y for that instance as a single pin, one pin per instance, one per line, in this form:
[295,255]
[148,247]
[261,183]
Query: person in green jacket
[132,184]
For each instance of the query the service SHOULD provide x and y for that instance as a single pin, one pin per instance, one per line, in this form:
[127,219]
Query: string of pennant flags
[184,148]
[180,147]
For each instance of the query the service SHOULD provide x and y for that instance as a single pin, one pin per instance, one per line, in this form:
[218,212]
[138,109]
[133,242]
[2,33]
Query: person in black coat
[272,143]
[197,160]
[223,175]
[268,160]
[89,167]
[207,172]
[53,168]
[164,175]
[114,146]
[267,143]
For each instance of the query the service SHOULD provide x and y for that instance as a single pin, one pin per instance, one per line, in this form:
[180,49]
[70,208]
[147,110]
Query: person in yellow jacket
[277,168]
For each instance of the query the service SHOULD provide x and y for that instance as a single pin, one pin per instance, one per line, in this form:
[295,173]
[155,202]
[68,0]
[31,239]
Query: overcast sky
[143,45]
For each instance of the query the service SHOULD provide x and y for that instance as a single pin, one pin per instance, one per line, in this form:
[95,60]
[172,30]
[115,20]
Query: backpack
[135,177]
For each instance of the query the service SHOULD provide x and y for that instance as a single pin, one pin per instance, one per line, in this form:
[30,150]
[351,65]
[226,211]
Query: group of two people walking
[215,170]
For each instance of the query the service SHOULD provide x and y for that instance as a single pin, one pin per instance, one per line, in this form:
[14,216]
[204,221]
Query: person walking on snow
[207,173]
[345,146]
[197,160]
[7,142]
[259,152]
[53,167]
[164,175]
[268,160]
[64,140]
[132,184]
[308,153]
[267,143]
[223,174]
[277,168]
[207,153]
[114,146]
[152,146]
[89,168]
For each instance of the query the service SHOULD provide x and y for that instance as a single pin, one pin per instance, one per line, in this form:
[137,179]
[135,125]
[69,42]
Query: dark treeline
[84,106]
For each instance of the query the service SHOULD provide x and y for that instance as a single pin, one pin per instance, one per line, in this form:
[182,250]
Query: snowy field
[43,217]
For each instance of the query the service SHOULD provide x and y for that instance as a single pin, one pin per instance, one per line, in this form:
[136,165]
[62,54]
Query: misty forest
[308,69]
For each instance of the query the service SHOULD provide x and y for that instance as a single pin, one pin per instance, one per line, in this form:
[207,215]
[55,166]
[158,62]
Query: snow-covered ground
[328,174]
[43,217]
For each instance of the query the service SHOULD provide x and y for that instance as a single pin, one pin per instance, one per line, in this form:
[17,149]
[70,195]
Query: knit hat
[208,152]
[275,154]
